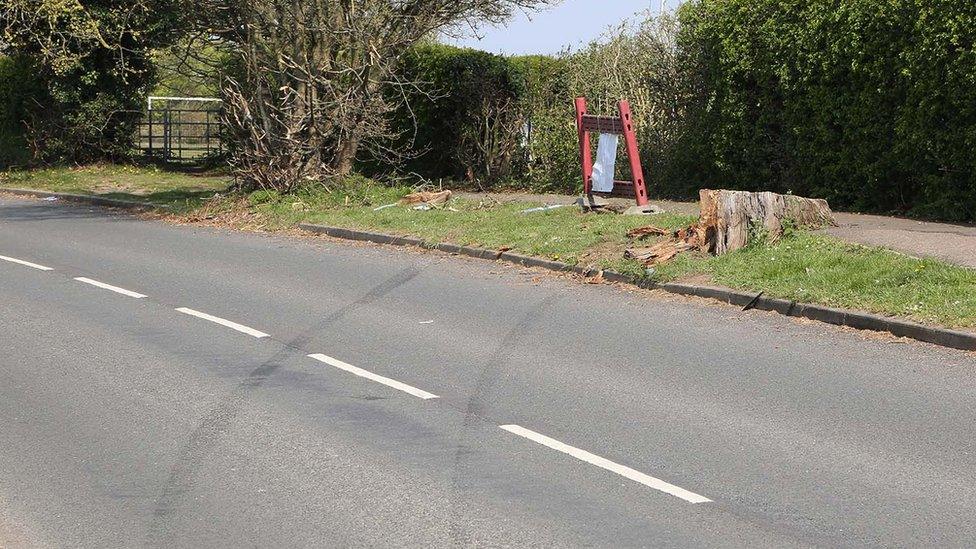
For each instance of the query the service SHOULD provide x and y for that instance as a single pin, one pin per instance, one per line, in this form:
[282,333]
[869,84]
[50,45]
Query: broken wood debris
[680,241]
[649,230]
[595,279]
[729,219]
[426,197]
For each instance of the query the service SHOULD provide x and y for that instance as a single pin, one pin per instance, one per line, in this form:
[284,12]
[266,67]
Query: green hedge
[552,152]
[464,119]
[477,104]
[870,104]
[17,85]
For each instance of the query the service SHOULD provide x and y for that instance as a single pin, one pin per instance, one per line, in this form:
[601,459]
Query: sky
[571,23]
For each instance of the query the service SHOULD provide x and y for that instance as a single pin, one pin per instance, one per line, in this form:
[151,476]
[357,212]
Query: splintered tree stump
[727,221]
[728,217]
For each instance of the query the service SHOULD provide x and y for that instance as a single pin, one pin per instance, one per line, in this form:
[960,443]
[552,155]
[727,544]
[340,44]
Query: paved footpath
[178,386]
[952,243]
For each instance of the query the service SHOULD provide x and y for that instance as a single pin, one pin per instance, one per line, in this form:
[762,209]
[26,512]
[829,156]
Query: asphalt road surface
[192,387]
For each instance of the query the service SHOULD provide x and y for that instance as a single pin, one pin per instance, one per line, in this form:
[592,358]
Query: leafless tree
[318,78]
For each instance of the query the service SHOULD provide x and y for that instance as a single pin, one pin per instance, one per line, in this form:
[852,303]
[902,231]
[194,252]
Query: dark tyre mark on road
[474,410]
[218,421]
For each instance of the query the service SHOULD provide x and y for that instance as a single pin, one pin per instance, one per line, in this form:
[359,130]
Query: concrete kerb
[86,199]
[829,315]
[854,319]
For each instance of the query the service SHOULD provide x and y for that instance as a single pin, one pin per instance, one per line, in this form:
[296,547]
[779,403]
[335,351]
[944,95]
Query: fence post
[167,135]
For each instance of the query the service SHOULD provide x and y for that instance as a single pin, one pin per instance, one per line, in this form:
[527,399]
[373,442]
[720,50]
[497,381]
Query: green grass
[563,234]
[820,269]
[802,266]
[182,191]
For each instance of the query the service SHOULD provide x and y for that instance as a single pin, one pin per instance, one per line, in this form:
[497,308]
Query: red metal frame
[622,125]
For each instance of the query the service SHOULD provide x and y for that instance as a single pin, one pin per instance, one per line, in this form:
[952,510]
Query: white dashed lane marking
[110,288]
[373,377]
[224,322]
[604,463]
[554,444]
[25,263]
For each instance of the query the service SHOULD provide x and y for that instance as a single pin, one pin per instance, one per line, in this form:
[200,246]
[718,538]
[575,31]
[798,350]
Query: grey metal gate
[181,134]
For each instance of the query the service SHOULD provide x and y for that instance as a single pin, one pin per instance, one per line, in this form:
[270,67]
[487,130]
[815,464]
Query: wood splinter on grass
[682,241]
[425,197]
[649,230]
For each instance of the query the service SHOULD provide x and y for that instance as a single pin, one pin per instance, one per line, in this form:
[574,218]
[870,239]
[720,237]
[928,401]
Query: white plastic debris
[385,206]
[606,159]
[50,199]
[543,208]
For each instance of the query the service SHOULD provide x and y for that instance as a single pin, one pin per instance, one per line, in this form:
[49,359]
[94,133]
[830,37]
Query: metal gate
[181,129]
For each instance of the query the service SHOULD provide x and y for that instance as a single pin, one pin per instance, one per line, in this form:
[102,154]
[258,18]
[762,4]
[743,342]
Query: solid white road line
[223,322]
[110,288]
[371,376]
[25,263]
[603,463]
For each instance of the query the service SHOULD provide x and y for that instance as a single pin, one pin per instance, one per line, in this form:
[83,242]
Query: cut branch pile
[729,218]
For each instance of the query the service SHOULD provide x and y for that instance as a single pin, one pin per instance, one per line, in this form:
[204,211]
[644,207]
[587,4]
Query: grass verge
[802,266]
[181,191]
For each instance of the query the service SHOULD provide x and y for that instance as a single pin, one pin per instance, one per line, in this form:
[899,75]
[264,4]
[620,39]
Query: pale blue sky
[571,23]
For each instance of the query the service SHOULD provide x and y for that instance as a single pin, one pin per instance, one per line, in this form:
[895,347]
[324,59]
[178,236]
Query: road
[168,398]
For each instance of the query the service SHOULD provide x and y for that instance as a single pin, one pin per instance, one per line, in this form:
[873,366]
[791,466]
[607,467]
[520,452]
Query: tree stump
[728,218]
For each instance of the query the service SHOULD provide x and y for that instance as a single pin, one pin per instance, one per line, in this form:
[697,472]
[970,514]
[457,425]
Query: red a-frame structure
[621,125]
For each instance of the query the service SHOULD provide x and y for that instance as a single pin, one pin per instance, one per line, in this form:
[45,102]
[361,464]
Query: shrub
[463,120]
[869,104]
[636,61]
[91,60]
[17,86]
[551,160]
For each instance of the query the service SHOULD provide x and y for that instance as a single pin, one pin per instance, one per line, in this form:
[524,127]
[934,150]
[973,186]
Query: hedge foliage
[636,61]
[870,104]
[492,119]
[91,62]
[463,119]
[17,86]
